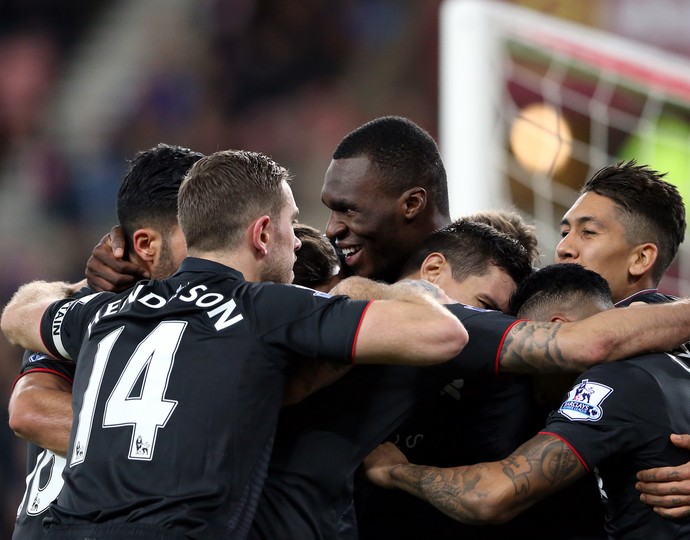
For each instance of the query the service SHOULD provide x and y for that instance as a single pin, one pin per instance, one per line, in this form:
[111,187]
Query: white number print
[37,497]
[138,398]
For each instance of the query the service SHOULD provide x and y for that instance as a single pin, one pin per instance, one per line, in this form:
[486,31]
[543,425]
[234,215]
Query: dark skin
[377,229]
[107,269]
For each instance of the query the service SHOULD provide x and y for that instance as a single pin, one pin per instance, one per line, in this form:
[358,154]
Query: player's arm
[409,325]
[667,489]
[610,335]
[40,410]
[107,269]
[315,374]
[21,318]
[486,492]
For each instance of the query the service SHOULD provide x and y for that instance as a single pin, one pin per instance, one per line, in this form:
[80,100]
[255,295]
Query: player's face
[173,251]
[490,291]
[283,242]
[366,223]
[593,236]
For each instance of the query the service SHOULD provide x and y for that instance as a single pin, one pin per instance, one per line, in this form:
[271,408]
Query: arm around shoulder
[619,333]
[21,318]
[605,337]
[402,332]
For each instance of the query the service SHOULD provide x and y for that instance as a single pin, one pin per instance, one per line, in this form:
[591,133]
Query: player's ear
[413,202]
[432,267]
[146,244]
[643,258]
[259,234]
[559,318]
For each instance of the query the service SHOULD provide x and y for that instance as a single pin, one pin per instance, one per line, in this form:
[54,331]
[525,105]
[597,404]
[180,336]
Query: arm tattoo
[544,459]
[494,492]
[422,286]
[533,347]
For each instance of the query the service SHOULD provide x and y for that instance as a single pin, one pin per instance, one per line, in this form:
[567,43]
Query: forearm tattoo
[422,286]
[533,347]
[478,494]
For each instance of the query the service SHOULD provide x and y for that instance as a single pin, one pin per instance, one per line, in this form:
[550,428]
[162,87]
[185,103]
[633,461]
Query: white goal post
[594,98]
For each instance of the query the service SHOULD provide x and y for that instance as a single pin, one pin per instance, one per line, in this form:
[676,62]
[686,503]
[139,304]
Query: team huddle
[226,372]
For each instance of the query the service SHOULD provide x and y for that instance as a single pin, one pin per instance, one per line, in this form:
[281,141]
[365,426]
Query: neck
[642,284]
[245,263]
[433,219]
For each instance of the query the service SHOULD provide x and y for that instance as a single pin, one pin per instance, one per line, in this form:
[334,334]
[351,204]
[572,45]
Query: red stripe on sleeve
[497,363]
[359,326]
[41,370]
[572,449]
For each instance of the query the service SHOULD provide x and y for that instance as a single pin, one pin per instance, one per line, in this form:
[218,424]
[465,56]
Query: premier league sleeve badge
[584,401]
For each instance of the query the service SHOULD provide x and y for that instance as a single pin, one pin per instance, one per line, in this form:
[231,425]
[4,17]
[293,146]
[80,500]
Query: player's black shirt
[474,418]
[574,513]
[617,418]
[177,391]
[321,441]
[44,467]
[646,296]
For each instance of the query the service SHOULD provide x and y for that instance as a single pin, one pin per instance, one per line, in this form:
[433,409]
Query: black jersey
[617,418]
[321,441]
[474,417]
[646,296]
[44,467]
[177,392]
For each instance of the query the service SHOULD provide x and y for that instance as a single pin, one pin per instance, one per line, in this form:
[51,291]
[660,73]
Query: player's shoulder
[676,363]
[643,371]
[465,312]
[268,291]
[647,296]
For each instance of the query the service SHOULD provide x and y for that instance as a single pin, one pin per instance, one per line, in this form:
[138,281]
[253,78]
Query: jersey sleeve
[66,322]
[313,324]
[608,411]
[38,362]
[487,331]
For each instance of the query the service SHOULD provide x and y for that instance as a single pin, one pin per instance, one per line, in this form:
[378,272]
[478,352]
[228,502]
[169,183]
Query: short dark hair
[559,285]
[147,196]
[514,225]
[651,208]
[404,154]
[317,261]
[223,192]
[471,248]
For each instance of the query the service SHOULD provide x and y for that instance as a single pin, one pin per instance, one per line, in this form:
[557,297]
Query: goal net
[531,106]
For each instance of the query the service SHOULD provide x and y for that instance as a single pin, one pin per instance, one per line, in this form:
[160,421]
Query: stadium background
[86,84]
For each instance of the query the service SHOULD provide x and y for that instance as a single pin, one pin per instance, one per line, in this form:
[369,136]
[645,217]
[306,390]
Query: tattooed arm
[486,492]
[610,335]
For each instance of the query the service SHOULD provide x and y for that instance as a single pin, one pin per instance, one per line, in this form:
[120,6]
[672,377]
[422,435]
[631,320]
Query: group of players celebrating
[187,389]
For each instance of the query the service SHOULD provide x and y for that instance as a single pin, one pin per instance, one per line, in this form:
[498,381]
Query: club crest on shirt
[475,308]
[35,357]
[584,401]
